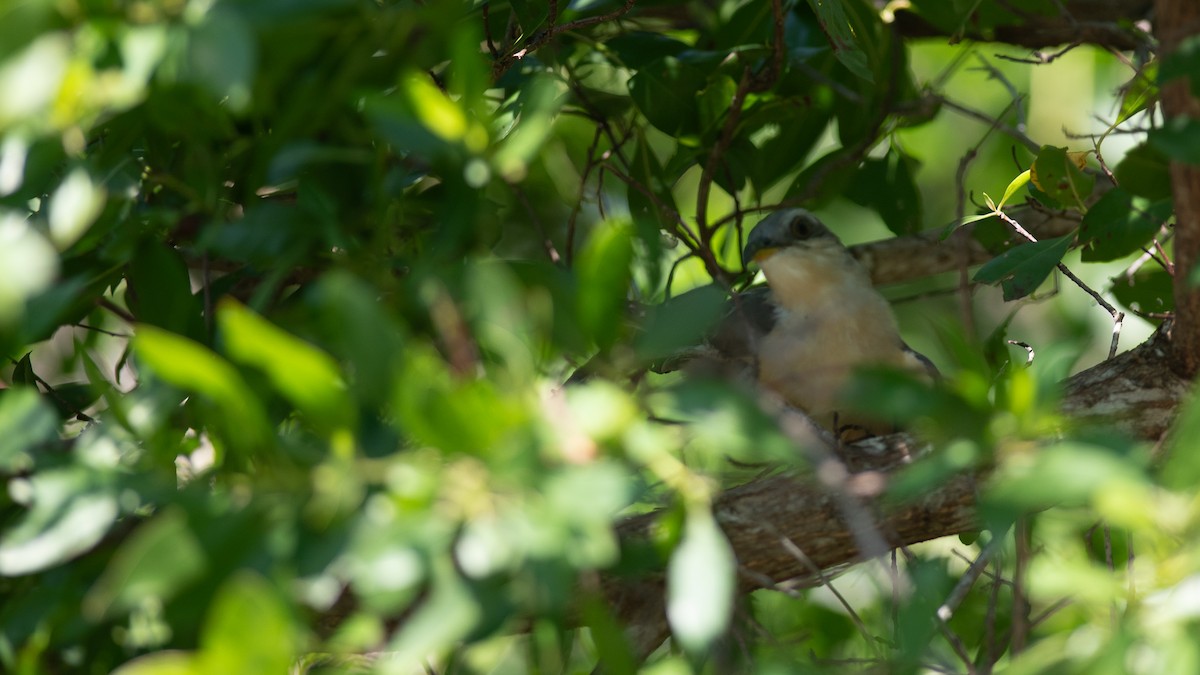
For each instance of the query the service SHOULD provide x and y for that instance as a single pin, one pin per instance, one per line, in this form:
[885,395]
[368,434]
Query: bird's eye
[801,227]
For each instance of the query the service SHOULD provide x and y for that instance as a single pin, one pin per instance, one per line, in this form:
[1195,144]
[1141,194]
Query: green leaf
[1016,184]
[531,14]
[303,374]
[223,56]
[456,415]
[1056,174]
[74,206]
[191,366]
[249,629]
[160,291]
[667,92]
[1021,270]
[1119,224]
[446,616]
[159,558]
[1143,172]
[604,273]
[70,511]
[637,48]
[701,580]
[1183,62]
[26,420]
[1139,93]
[1179,139]
[1150,291]
[680,322]
[170,662]
[846,35]
[887,186]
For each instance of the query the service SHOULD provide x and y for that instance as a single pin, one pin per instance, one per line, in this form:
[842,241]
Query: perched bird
[827,320]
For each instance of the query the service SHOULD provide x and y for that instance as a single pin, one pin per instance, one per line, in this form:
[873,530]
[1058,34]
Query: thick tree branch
[1136,393]
[924,254]
[1177,20]
[1106,23]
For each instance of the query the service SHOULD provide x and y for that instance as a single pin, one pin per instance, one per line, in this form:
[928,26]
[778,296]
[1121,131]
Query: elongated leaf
[191,366]
[700,584]
[1021,270]
[305,375]
[603,269]
[845,35]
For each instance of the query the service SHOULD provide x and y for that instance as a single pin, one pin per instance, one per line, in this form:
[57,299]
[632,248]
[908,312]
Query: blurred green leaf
[455,415]
[1178,138]
[223,56]
[26,420]
[603,270]
[1143,172]
[444,618]
[162,663]
[1184,61]
[190,366]
[680,322]
[1181,470]
[160,557]
[248,606]
[1021,270]
[306,376]
[701,581]
[69,511]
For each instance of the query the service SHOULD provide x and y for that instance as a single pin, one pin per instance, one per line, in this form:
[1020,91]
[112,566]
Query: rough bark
[767,521]
[1107,23]
[1177,20]
[928,253]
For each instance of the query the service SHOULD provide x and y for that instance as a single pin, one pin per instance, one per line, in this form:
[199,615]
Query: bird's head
[786,229]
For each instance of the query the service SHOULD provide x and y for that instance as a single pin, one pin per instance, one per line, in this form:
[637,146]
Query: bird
[825,320]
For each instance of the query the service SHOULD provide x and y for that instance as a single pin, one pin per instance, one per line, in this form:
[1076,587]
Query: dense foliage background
[288,291]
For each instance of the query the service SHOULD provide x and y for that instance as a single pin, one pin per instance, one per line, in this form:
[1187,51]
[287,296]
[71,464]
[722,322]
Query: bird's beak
[758,255]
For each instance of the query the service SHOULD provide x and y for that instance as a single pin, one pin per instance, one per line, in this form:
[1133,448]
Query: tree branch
[1177,20]
[1099,22]
[1135,393]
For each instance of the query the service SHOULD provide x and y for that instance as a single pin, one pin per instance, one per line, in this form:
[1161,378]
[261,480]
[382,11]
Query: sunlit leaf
[191,366]
[603,272]
[306,376]
[25,421]
[246,606]
[700,584]
[68,514]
